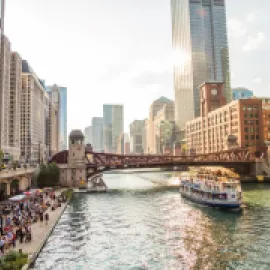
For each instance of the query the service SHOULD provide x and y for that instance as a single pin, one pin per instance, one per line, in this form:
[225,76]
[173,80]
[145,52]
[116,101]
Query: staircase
[266,169]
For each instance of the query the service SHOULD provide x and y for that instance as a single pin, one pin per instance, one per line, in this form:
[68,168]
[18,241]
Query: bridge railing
[17,172]
[235,155]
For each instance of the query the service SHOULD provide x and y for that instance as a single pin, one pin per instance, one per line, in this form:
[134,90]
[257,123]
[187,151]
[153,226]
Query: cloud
[236,28]
[254,42]
[257,80]
[251,17]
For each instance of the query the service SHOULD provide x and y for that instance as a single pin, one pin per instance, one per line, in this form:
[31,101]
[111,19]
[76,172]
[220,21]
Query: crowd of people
[16,217]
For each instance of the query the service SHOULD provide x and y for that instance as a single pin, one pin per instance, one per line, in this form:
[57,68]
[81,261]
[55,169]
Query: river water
[143,224]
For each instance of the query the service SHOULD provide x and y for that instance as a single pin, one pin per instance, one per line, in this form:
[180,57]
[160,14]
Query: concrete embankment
[40,235]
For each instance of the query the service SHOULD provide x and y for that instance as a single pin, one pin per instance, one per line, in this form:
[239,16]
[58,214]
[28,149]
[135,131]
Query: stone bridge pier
[260,168]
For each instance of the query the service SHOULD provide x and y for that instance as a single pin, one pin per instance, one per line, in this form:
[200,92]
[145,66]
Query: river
[139,224]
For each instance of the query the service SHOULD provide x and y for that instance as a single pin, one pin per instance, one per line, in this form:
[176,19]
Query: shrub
[13,261]
[68,193]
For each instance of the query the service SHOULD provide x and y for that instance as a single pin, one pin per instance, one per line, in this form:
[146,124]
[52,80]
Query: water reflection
[151,227]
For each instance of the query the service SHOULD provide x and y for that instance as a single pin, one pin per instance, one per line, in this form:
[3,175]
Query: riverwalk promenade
[40,232]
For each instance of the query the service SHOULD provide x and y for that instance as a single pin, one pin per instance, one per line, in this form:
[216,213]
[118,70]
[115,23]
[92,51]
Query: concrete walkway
[41,231]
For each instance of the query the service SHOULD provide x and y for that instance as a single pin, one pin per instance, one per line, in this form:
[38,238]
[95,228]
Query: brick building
[223,126]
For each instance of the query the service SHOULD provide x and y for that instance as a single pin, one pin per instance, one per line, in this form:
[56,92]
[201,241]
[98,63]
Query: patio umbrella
[34,190]
[17,198]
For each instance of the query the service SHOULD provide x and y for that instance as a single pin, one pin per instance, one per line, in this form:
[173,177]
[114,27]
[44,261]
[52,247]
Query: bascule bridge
[79,163]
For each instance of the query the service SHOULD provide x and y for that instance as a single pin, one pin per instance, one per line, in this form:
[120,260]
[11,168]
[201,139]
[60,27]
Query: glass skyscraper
[200,52]
[113,126]
[241,93]
[97,134]
[88,135]
[63,116]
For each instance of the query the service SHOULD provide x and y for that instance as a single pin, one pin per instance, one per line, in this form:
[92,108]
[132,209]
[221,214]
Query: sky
[119,51]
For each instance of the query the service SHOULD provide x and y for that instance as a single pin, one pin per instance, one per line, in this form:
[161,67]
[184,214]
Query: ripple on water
[157,229]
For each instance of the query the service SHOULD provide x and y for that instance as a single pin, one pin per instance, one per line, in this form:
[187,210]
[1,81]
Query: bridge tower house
[76,169]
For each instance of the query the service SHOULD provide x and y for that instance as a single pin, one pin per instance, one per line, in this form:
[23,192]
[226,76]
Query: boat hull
[212,203]
[100,189]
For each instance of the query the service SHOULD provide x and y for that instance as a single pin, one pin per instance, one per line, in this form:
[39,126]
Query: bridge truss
[239,159]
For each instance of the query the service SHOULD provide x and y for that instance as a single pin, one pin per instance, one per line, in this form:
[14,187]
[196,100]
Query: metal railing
[18,172]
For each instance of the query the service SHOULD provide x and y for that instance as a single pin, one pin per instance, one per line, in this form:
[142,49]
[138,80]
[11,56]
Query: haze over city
[121,51]
[163,106]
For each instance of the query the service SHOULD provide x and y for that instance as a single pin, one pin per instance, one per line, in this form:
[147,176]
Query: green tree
[54,174]
[49,175]
[42,176]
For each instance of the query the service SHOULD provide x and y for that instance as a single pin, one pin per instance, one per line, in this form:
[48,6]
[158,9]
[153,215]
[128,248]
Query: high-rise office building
[15,105]
[200,52]
[113,126]
[88,135]
[97,134]
[164,128]
[2,16]
[241,93]
[53,124]
[34,103]
[10,91]
[63,116]
[121,144]
[5,92]
[156,106]
[137,136]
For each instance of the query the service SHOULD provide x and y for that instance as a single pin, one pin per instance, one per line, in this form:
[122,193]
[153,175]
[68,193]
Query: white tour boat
[212,189]
[96,184]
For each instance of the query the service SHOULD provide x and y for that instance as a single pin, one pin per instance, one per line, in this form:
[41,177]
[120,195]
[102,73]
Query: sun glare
[174,181]
[180,58]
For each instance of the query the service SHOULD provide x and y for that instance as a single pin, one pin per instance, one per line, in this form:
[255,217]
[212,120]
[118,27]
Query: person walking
[41,216]
[2,244]
[14,239]
[19,234]
[47,218]
[1,225]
